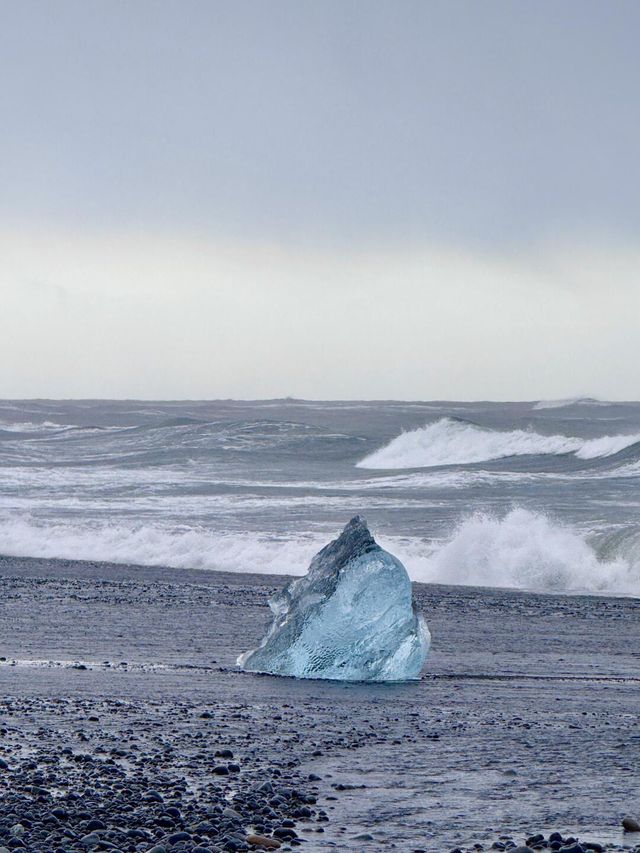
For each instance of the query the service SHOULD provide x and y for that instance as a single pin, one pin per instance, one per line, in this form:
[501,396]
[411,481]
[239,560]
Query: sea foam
[180,547]
[524,550]
[520,550]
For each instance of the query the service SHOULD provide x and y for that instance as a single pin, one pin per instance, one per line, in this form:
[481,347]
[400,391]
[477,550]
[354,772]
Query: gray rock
[176,837]
[232,813]
[91,839]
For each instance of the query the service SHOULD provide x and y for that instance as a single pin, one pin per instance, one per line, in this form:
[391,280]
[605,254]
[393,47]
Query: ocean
[540,496]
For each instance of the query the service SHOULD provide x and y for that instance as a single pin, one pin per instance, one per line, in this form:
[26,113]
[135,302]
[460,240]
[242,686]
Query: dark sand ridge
[526,719]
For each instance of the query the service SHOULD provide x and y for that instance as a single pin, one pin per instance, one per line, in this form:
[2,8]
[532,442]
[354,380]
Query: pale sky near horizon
[436,199]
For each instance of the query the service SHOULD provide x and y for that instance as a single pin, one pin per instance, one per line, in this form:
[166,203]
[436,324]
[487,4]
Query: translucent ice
[351,617]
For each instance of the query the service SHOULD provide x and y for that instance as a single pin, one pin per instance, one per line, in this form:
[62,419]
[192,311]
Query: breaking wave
[522,550]
[456,442]
[526,550]
[154,545]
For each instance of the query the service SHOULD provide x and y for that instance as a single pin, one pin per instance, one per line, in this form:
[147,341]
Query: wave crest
[455,442]
[526,550]
[569,401]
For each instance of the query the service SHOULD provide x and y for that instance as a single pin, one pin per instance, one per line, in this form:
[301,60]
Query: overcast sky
[319,199]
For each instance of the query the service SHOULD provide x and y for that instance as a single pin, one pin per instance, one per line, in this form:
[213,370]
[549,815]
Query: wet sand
[526,719]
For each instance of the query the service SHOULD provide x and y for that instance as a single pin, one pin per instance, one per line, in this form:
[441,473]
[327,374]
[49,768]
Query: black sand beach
[126,726]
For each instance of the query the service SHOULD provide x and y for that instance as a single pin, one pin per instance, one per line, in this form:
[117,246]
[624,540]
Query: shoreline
[22,566]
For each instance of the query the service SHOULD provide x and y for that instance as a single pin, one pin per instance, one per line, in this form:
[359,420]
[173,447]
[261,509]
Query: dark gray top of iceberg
[354,541]
[351,617]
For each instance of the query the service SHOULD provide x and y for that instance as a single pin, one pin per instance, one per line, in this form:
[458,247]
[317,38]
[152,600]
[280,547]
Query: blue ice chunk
[352,617]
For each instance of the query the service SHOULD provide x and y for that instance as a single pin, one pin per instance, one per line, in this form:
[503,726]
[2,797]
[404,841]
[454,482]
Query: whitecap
[521,550]
[456,442]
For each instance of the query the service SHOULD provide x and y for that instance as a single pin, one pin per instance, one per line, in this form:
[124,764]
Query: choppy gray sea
[541,496]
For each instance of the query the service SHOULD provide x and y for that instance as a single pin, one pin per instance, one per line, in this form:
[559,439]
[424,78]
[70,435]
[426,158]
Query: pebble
[554,842]
[263,841]
[122,786]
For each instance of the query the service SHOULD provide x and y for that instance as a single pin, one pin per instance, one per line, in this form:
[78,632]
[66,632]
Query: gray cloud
[474,123]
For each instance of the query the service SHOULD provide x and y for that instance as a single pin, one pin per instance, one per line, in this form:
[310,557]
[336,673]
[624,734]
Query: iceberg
[352,617]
